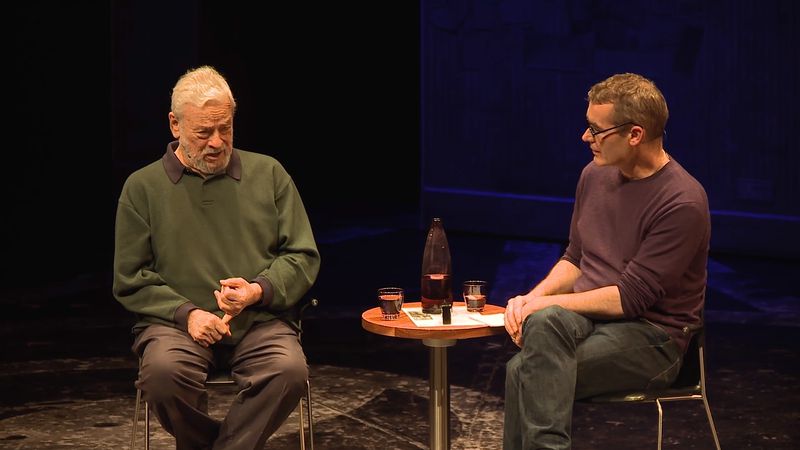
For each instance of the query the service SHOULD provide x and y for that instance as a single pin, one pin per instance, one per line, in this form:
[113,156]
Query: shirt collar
[175,168]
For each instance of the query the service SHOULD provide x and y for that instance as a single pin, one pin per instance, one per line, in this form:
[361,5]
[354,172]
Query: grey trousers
[566,356]
[268,365]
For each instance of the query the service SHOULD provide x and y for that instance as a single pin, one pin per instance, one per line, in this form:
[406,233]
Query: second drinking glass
[475,295]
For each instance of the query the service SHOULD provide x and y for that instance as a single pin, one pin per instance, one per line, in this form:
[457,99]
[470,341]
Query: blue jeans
[566,356]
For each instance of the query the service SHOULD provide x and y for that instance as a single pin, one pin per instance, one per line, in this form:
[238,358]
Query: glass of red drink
[475,295]
[390,300]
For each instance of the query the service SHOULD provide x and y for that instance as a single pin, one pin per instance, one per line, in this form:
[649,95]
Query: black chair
[223,378]
[690,385]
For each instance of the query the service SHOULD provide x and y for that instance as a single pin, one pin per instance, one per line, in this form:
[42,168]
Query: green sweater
[178,235]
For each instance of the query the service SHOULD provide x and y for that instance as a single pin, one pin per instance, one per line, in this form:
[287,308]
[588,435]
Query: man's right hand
[206,328]
[513,318]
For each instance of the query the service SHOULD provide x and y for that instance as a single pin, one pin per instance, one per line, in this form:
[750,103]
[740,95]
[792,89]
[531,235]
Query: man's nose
[215,140]
[587,135]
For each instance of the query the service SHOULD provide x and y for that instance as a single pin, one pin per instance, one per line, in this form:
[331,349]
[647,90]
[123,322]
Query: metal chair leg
[302,428]
[705,400]
[311,415]
[711,423]
[660,422]
[146,426]
[303,421]
[135,419]
[134,425]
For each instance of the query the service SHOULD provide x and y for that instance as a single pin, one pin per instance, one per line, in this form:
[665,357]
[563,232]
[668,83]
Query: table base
[439,395]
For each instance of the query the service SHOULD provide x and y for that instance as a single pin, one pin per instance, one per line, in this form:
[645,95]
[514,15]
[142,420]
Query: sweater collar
[175,169]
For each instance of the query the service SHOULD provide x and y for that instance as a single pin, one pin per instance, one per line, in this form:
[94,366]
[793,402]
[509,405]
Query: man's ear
[173,125]
[637,135]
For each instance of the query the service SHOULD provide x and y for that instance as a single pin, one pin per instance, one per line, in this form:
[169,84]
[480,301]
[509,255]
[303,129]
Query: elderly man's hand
[206,328]
[235,294]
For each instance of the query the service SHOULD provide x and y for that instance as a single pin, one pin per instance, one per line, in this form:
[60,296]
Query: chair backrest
[692,371]
[689,375]
[308,301]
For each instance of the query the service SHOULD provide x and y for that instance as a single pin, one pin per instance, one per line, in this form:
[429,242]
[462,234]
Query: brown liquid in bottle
[436,287]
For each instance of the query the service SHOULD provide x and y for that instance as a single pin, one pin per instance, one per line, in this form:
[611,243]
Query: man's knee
[551,322]
[512,367]
[547,318]
[163,378]
[294,373]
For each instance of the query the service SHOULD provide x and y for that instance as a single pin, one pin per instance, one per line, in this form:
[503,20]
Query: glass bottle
[436,270]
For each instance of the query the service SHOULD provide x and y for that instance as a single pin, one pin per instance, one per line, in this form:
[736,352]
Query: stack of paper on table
[459,317]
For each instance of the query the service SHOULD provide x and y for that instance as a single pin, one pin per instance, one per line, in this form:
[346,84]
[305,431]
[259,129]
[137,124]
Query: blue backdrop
[503,104]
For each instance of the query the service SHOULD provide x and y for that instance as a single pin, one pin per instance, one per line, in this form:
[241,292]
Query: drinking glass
[475,295]
[391,302]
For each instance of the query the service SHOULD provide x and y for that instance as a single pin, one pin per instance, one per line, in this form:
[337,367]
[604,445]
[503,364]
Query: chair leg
[660,422]
[135,418]
[146,426]
[705,400]
[302,428]
[711,422]
[311,415]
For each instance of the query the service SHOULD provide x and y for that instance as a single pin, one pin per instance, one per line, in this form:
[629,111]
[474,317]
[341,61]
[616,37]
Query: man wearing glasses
[616,312]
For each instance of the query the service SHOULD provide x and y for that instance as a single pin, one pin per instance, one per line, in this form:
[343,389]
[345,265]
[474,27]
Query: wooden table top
[404,328]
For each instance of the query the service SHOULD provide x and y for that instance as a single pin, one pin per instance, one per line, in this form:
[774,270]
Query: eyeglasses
[595,133]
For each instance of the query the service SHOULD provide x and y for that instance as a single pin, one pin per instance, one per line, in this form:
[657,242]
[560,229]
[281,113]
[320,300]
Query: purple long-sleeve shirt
[649,237]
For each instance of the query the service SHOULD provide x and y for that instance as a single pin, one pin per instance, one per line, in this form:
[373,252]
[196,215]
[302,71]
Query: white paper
[493,320]
[458,316]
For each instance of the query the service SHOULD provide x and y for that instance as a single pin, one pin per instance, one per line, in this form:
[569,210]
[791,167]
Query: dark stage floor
[66,379]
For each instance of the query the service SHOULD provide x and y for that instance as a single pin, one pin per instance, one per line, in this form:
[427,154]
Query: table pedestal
[439,403]
[437,339]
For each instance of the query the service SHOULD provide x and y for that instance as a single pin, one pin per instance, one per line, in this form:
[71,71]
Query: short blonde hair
[635,99]
[197,87]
